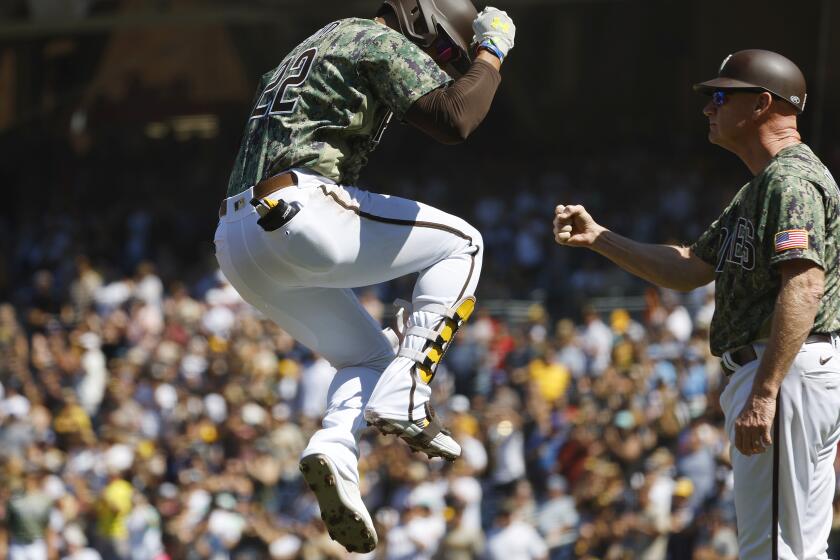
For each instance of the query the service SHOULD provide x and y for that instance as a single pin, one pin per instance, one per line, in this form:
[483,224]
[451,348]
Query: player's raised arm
[669,266]
[450,114]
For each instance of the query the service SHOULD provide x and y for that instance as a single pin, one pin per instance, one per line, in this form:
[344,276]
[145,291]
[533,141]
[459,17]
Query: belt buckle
[727,364]
[729,361]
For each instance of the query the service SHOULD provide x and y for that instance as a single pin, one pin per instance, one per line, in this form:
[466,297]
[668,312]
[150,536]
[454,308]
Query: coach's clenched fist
[574,226]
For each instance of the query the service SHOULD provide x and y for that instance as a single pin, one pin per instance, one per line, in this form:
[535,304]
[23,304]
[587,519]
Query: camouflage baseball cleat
[426,434]
[342,510]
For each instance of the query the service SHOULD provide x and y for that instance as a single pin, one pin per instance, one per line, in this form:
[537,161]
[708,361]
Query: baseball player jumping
[295,236]
[773,255]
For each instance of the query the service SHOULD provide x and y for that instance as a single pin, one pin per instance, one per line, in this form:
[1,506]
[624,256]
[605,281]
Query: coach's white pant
[795,476]
[301,277]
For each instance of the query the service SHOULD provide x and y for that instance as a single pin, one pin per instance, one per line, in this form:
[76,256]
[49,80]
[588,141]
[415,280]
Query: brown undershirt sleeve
[451,114]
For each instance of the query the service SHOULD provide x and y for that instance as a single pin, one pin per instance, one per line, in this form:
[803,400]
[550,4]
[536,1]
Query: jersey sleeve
[708,244]
[398,72]
[795,227]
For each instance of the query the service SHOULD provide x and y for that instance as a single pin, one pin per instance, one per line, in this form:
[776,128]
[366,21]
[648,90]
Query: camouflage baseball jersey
[327,104]
[789,211]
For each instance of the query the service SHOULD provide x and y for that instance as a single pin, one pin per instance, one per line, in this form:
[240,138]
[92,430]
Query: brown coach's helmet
[760,70]
[440,24]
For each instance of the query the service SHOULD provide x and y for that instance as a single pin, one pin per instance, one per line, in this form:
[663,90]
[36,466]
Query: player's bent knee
[475,242]
[478,241]
[375,354]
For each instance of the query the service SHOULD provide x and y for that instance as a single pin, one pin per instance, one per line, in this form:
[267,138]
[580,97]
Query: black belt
[746,354]
[267,187]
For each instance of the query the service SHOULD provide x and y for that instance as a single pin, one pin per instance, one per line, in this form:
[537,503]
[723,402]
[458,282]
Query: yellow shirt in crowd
[552,379]
[113,508]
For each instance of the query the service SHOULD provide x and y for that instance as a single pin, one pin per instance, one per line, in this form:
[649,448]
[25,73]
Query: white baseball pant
[301,276]
[783,497]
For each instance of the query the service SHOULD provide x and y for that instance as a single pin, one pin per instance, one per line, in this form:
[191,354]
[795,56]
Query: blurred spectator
[418,534]
[697,463]
[144,530]
[28,519]
[507,441]
[77,548]
[461,540]
[114,506]
[557,520]
[91,388]
[683,532]
[225,526]
[512,539]
[597,340]
[569,352]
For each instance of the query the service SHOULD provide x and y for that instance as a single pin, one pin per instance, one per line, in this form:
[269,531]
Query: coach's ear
[762,104]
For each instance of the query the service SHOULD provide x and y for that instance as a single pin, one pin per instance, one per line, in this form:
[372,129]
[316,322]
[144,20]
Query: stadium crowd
[146,412]
[142,422]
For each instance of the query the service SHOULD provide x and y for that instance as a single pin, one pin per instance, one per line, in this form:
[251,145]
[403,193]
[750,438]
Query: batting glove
[495,31]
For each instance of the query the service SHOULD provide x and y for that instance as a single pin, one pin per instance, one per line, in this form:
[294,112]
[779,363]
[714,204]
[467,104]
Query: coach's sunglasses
[720,96]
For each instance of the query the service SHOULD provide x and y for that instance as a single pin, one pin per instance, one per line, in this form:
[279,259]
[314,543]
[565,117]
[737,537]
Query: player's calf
[400,403]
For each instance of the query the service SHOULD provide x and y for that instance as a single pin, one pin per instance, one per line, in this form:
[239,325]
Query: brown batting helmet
[424,22]
[760,70]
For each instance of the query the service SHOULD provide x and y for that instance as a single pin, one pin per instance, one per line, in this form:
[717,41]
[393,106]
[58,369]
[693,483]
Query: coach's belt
[733,359]
[267,187]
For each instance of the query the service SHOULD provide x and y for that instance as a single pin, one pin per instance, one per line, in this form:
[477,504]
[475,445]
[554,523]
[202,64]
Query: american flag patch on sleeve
[791,239]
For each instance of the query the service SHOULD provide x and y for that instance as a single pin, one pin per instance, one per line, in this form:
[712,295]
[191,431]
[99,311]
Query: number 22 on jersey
[289,74]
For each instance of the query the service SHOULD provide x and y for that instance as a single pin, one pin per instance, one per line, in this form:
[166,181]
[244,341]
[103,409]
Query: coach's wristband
[488,45]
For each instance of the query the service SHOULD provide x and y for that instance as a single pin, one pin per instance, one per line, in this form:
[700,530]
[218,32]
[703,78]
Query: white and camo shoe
[426,435]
